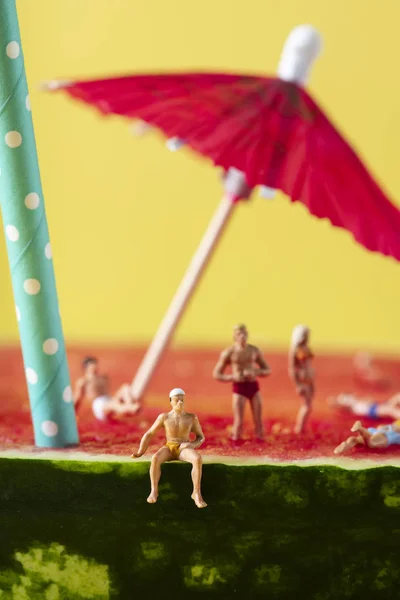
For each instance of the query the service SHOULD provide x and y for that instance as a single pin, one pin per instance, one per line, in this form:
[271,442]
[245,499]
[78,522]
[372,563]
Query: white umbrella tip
[267,193]
[140,128]
[305,37]
[174,144]
[302,46]
[54,84]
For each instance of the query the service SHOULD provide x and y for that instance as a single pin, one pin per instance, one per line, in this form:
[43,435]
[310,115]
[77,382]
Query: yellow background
[125,215]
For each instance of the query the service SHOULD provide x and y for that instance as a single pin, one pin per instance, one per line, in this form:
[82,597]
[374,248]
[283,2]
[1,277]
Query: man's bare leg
[341,401]
[352,441]
[124,395]
[394,401]
[191,456]
[304,412]
[115,409]
[386,411]
[256,409]
[238,405]
[373,440]
[122,410]
[390,408]
[365,434]
[162,455]
[395,414]
[122,403]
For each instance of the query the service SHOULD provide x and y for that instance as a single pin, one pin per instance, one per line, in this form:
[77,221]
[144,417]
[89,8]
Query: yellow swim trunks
[174,448]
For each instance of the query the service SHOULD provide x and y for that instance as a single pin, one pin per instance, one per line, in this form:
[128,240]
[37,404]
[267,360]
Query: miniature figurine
[178,426]
[367,407]
[373,437]
[367,373]
[94,387]
[302,373]
[242,357]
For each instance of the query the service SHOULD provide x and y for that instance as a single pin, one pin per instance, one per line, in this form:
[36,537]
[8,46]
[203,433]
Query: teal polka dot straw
[29,250]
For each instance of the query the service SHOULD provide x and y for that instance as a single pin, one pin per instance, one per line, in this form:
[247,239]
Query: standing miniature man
[302,373]
[178,426]
[94,386]
[242,357]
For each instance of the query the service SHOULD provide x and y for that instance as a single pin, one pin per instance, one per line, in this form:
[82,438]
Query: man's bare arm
[224,361]
[264,369]
[197,430]
[148,436]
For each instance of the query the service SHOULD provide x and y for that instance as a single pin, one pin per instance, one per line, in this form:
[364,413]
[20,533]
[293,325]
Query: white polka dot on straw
[12,233]
[31,376]
[32,286]
[32,201]
[50,346]
[49,428]
[12,50]
[67,394]
[13,139]
[47,251]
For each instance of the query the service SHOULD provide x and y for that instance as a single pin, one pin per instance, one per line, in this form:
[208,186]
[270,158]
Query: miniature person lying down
[368,407]
[373,437]
[94,387]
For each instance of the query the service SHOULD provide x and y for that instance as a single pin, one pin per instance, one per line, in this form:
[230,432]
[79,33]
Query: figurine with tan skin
[368,373]
[302,373]
[373,437]
[178,426]
[94,387]
[368,407]
[247,363]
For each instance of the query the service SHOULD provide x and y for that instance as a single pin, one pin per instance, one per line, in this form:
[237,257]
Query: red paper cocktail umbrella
[263,131]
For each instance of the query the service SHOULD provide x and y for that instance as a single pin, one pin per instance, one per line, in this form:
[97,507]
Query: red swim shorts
[248,389]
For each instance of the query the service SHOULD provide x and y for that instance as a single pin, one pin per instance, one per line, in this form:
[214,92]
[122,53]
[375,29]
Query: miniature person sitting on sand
[178,426]
[94,387]
[302,373]
[373,437]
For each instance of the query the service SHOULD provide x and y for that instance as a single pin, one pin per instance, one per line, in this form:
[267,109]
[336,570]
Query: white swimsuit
[99,405]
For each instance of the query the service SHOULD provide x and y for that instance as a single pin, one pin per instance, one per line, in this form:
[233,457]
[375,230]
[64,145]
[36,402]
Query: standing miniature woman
[302,373]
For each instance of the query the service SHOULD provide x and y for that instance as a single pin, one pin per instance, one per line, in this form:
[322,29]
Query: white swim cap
[298,334]
[176,392]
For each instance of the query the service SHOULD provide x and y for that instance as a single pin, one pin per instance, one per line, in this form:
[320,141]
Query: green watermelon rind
[316,531]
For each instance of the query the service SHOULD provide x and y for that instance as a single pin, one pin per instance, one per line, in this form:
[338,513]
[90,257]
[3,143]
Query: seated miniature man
[178,426]
[373,437]
[94,387]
